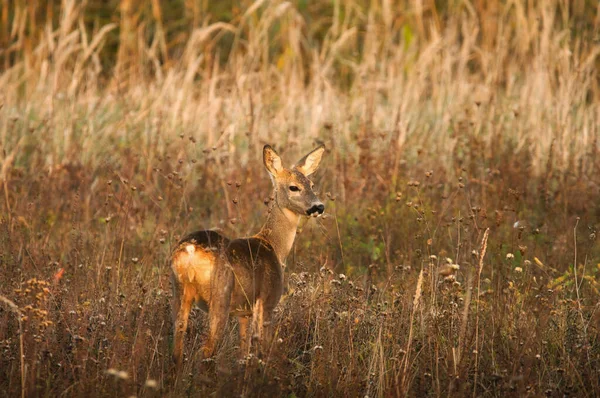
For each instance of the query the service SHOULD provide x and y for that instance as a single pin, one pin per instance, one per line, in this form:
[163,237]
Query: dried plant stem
[478,283]
[416,301]
[14,308]
[463,328]
[575,263]
[577,286]
[4,176]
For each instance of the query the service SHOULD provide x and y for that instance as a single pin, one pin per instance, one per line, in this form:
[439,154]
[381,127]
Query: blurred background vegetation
[166,26]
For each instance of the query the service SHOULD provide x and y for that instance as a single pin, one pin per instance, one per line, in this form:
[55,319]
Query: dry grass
[441,122]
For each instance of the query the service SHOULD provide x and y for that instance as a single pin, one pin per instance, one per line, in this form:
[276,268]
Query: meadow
[458,253]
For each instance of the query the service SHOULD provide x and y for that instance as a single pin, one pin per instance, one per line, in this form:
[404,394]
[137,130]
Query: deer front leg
[267,333]
[257,324]
[244,323]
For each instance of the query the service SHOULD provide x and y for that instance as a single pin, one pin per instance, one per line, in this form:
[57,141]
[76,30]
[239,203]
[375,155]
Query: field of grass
[458,254]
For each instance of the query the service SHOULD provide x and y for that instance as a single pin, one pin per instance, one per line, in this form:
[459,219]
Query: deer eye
[294,188]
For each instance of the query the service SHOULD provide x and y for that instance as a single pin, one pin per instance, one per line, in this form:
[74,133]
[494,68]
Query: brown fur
[242,277]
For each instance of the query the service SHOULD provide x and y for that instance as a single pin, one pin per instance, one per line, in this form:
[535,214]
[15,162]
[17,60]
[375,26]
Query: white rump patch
[193,265]
[190,249]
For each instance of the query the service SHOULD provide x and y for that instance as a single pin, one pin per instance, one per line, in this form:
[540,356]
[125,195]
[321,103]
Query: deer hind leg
[257,324]
[182,304]
[218,311]
[244,323]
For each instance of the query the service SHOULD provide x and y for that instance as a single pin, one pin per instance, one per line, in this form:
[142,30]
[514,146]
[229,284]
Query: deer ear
[272,161]
[309,164]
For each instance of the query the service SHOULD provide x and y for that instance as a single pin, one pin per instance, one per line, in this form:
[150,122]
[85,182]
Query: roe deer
[243,277]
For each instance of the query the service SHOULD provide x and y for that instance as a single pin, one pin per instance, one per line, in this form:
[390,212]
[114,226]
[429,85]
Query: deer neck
[280,230]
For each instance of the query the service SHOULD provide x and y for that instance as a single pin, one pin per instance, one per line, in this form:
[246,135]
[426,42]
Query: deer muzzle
[316,209]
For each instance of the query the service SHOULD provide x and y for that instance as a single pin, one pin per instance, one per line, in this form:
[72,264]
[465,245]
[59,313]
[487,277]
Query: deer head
[293,188]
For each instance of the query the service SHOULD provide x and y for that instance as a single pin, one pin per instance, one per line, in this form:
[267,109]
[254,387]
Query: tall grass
[123,126]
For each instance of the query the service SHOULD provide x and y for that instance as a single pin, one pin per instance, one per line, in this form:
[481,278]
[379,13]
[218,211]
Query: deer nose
[316,208]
